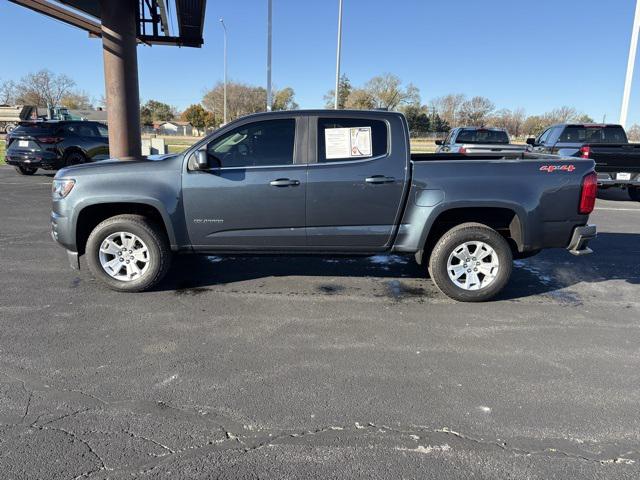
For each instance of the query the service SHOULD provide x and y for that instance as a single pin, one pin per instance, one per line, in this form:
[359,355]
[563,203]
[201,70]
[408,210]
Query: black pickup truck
[617,160]
[323,182]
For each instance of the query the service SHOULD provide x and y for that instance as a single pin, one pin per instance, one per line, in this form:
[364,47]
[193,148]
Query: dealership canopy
[122,24]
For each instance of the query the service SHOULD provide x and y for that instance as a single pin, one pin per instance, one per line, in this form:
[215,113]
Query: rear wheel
[471,263]
[22,170]
[128,253]
[634,194]
[74,158]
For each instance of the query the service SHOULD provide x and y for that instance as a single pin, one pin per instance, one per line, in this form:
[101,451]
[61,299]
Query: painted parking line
[620,209]
[25,184]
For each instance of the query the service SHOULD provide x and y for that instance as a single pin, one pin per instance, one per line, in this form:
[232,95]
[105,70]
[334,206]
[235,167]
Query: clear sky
[536,54]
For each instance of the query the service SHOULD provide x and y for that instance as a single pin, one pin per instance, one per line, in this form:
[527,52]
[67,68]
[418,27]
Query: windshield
[593,134]
[481,136]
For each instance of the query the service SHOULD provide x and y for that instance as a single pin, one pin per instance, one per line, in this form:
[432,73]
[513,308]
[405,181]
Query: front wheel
[128,253]
[22,170]
[471,263]
[634,194]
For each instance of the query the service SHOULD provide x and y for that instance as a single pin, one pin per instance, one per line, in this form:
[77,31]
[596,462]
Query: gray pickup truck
[323,182]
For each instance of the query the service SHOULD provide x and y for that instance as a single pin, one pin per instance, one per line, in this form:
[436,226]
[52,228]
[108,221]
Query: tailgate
[475,148]
[616,158]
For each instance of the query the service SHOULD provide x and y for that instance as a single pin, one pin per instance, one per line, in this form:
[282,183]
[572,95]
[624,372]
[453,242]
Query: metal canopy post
[269,24]
[121,77]
[633,48]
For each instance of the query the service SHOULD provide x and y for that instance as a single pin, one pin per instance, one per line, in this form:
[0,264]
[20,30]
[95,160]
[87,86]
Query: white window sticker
[348,142]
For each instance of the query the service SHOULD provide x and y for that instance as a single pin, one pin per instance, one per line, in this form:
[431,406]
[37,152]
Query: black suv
[55,144]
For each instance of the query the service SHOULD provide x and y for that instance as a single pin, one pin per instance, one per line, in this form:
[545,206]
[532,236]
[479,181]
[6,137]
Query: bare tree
[360,99]
[44,88]
[510,120]
[563,115]
[476,111]
[242,99]
[8,92]
[76,101]
[448,108]
[634,133]
[387,92]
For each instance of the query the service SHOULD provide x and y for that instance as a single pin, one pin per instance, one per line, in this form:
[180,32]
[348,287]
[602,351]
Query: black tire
[450,242]
[634,194]
[74,157]
[22,170]
[149,232]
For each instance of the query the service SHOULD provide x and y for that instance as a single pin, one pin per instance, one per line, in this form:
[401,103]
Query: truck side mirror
[440,142]
[202,160]
[531,141]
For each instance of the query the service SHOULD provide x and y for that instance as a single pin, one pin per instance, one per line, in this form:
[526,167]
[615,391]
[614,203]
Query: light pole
[337,93]
[224,116]
[269,92]
[633,49]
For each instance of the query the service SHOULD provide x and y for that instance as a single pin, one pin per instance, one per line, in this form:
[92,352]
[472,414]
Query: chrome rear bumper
[580,239]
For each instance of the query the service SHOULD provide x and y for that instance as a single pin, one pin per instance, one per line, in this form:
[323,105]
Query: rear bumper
[580,240]
[36,160]
[612,180]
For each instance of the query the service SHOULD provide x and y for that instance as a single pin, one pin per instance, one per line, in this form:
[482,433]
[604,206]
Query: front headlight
[61,188]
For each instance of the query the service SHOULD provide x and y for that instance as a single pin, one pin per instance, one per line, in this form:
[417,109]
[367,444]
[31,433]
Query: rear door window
[349,139]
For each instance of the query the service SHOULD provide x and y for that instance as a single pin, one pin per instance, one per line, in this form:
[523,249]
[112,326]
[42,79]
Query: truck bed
[515,155]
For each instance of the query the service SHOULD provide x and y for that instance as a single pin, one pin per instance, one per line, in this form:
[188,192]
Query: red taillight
[585,151]
[49,139]
[462,150]
[588,194]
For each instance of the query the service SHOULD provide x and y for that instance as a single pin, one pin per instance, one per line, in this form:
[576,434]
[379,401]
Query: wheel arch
[91,215]
[504,219]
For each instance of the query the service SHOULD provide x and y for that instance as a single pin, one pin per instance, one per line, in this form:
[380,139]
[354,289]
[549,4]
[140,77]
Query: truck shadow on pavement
[616,257]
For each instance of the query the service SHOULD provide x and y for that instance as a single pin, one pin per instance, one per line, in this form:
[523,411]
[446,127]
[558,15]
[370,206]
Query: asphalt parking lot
[314,368]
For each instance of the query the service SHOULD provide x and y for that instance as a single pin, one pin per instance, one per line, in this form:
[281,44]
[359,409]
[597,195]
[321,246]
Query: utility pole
[633,49]
[337,92]
[224,116]
[269,92]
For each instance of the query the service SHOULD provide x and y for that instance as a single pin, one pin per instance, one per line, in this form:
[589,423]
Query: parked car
[476,140]
[617,160]
[323,182]
[52,145]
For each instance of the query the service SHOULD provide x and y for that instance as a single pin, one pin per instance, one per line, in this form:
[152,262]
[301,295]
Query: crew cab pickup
[478,140]
[326,183]
[617,160]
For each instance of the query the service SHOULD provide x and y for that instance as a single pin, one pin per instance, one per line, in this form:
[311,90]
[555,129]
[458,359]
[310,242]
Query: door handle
[284,182]
[379,179]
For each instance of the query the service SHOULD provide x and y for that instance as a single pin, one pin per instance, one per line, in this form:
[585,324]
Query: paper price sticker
[355,142]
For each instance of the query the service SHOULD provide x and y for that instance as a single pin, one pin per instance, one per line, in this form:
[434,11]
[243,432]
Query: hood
[113,165]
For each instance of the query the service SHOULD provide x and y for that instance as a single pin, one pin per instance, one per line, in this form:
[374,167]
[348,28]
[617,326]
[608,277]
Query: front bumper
[63,233]
[580,240]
